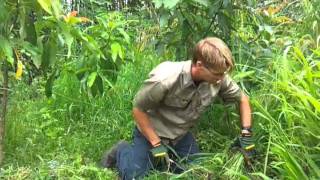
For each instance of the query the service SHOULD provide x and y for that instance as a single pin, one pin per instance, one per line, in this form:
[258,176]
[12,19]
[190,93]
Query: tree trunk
[3,109]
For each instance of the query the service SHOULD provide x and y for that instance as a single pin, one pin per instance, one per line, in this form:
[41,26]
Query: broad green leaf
[6,50]
[31,31]
[22,19]
[164,19]
[99,83]
[46,5]
[115,51]
[121,54]
[266,28]
[157,3]
[34,52]
[57,8]
[91,79]
[226,3]
[68,39]
[224,23]
[97,86]
[4,15]
[49,53]
[61,40]
[214,8]
[124,34]
[169,4]
[49,83]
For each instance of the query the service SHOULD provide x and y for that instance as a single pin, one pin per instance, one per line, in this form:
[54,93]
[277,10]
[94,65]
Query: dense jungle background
[70,70]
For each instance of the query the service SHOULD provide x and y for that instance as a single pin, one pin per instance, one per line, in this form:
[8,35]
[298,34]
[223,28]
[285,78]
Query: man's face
[213,76]
[209,74]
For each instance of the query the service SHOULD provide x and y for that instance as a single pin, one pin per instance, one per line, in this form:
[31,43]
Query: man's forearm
[245,111]
[145,126]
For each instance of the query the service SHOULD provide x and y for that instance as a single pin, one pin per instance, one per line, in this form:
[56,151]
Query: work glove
[245,144]
[160,156]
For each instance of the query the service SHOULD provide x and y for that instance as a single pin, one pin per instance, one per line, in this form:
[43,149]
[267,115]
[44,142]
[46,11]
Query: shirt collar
[186,74]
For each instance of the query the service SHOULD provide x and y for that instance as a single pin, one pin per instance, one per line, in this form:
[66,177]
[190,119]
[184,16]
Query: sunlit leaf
[266,28]
[157,3]
[46,5]
[273,10]
[169,4]
[84,19]
[72,20]
[68,40]
[56,7]
[91,79]
[115,51]
[124,34]
[282,19]
[111,25]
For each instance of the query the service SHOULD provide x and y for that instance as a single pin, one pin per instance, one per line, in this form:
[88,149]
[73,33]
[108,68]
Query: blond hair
[213,53]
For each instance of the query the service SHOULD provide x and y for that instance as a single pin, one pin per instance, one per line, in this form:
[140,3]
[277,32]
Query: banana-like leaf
[46,5]
[6,50]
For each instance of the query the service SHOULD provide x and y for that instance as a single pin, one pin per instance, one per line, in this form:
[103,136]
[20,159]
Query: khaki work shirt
[174,103]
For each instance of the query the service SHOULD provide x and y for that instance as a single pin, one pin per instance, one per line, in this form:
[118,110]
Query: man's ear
[199,63]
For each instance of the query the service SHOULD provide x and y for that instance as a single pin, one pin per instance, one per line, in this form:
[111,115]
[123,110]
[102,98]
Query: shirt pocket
[204,103]
[178,101]
[180,98]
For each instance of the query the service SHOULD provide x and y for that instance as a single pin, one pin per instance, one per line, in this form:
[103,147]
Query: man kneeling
[170,102]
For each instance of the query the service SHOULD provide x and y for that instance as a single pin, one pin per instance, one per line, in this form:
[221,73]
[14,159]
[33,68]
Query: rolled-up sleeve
[150,95]
[230,92]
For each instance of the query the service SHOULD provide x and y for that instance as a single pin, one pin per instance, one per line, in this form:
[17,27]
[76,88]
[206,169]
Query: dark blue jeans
[134,161]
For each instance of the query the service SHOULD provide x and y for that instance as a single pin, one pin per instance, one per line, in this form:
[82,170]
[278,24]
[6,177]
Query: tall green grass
[66,135]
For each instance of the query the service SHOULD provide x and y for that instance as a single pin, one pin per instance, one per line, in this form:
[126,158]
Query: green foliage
[183,23]
[41,41]
[276,50]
